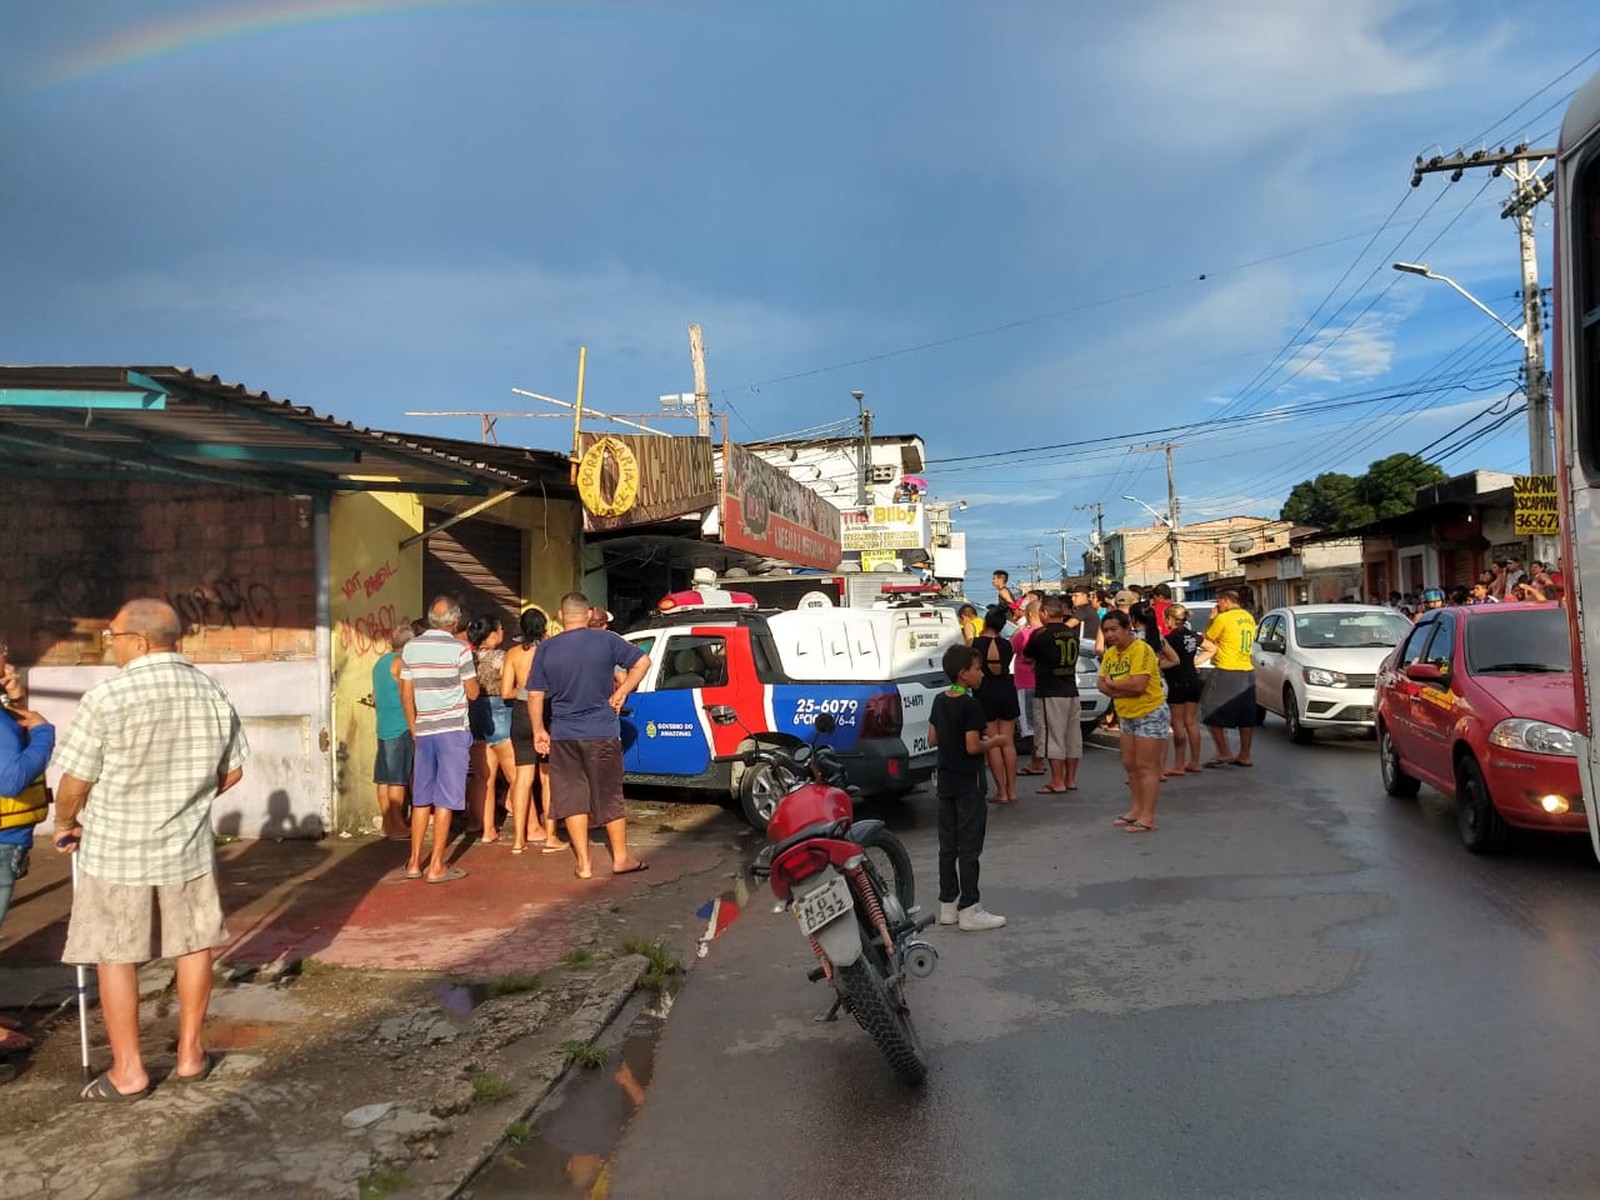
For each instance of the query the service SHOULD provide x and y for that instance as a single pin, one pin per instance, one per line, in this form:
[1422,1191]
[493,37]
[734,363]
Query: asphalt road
[1297,987]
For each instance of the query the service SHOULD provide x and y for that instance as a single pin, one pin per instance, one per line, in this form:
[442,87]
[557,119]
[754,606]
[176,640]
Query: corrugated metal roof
[200,428]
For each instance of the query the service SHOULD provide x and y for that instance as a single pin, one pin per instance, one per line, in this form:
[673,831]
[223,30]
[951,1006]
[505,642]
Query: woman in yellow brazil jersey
[1131,676]
[1229,699]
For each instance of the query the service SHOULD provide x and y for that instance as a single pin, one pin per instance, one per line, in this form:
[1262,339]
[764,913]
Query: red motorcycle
[850,886]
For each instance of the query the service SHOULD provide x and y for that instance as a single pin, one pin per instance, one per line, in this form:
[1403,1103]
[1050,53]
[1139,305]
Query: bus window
[1586,306]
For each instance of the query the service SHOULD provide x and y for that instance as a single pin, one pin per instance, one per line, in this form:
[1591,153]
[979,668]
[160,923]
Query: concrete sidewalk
[344,902]
[451,1018]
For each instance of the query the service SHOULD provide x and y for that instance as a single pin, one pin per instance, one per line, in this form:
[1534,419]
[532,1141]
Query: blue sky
[1013,225]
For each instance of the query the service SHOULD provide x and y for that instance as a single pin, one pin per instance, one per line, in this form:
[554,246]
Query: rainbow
[163,39]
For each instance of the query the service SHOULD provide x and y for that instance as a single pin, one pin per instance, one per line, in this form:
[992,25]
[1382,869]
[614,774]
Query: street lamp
[1422,269]
[864,416]
[1169,520]
[1160,516]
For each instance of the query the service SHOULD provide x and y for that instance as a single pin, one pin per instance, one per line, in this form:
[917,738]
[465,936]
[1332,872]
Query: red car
[1479,703]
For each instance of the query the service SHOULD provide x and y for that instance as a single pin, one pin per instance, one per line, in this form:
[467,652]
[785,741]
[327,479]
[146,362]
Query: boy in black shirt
[955,729]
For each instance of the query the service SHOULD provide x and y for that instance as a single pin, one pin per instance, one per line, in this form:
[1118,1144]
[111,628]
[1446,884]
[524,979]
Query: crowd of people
[1504,581]
[1015,674]
[470,725]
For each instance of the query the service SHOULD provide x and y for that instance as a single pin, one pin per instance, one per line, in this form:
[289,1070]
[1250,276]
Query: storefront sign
[885,527]
[626,480]
[877,560]
[1537,506]
[766,512]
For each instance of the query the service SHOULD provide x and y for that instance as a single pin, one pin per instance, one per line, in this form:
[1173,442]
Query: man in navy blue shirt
[578,672]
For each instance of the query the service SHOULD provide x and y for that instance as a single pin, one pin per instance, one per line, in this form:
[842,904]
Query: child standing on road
[955,729]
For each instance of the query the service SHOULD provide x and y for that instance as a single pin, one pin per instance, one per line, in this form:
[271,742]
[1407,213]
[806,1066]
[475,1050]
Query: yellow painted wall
[377,587]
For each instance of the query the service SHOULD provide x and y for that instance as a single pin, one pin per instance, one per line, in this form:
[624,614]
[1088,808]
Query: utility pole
[1172,507]
[1062,534]
[702,397]
[1521,165]
[1099,511]
[865,465]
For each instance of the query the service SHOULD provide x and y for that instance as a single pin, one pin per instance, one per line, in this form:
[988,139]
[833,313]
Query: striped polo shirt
[438,665]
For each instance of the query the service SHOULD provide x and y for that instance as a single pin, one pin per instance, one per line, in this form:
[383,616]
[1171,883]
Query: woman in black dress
[1183,690]
[998,695]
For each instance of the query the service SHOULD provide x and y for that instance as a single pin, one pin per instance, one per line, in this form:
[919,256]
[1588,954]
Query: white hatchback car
[1316,664]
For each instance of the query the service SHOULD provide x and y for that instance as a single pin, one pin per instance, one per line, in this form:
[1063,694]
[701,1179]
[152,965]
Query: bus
[1576,333]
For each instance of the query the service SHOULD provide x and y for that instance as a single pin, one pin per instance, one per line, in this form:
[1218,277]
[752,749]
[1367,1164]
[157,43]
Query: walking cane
[83,992]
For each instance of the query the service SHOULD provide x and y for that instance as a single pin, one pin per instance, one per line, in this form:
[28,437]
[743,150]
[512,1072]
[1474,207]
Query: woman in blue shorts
[489,717]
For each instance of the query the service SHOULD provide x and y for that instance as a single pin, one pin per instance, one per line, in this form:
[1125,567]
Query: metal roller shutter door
[478,561]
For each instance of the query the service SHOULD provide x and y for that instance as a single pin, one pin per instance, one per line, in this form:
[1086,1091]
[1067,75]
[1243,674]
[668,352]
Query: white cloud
[1339,355]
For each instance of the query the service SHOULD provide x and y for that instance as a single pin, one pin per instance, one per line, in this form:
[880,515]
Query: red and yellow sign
[766,512]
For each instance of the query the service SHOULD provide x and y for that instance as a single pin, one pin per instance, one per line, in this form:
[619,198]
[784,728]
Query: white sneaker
[947,913]
[974,918]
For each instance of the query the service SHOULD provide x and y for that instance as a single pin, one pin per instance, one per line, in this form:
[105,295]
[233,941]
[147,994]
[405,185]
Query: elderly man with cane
[148,752]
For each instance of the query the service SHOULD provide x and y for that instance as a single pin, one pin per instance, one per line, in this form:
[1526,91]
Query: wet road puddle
[566,1150]
[720,912]
[460,999]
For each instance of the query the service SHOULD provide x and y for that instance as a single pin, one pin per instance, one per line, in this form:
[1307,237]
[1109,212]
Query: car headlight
[1318,677]
[1536,737]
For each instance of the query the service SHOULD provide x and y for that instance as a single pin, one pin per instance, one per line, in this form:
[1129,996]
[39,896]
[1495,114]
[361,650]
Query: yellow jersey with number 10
[1232,633]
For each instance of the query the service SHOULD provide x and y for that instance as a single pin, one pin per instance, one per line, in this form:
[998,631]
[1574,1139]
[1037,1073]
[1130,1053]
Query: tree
[1330,501]
[1390,484]
[1336,502]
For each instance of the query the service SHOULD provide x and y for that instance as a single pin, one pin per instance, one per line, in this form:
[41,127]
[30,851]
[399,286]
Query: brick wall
[238,565]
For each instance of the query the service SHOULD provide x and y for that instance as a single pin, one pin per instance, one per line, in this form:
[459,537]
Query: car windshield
[1349,631]
[1518,642]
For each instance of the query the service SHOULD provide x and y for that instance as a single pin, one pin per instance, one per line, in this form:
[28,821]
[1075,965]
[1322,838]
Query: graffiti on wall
[368,632]
[226,604]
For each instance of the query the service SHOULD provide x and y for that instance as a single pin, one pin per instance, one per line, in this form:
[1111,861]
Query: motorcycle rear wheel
[889,858]
[885,1018]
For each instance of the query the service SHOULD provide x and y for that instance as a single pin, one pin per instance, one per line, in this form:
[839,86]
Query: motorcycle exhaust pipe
[921,958]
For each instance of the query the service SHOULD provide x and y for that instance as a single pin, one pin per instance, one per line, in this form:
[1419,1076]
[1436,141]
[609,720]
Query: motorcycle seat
[822,829]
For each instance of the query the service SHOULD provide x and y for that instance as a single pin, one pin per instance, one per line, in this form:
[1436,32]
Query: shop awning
[172,425]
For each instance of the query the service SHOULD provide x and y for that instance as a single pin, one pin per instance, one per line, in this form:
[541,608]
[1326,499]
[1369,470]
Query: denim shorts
[392,767]
[1154,724]
[490,719]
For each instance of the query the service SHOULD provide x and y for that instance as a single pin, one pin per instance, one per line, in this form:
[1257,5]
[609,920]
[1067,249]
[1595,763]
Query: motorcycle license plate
[817,908]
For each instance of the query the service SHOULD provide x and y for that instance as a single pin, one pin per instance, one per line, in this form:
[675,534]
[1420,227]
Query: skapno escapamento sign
[1538,512]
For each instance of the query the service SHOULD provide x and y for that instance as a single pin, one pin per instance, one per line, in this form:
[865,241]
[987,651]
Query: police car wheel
[760,789]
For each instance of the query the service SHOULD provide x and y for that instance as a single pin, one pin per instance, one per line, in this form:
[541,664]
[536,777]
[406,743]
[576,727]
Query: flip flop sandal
[1122,821]
[558,848]
[634,870]
[103,1090]
[1138,827]
[449,876]
[411,874]
[199,1076]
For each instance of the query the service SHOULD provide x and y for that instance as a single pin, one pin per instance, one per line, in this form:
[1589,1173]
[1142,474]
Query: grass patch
[518,1132]
[586,1055]
[486,1085]
[664,960]
[383,1182]
[311,966]
[513,983]
[578,957]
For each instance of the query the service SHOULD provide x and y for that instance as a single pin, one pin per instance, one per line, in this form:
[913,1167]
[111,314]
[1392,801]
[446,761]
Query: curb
[586,1023]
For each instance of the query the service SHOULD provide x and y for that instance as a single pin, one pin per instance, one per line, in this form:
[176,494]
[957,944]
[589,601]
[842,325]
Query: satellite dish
[1241,544]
